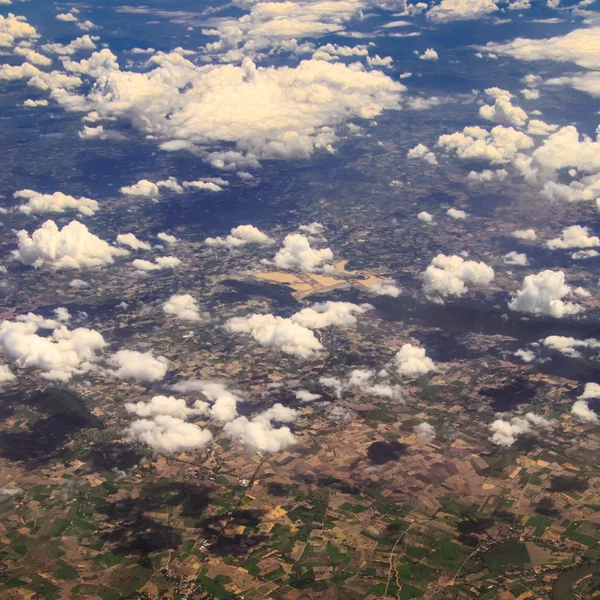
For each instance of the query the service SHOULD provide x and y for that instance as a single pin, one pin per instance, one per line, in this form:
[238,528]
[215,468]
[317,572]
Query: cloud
[542,294]
[585,190]
[306,396]
[537,127]
[161,263]
[6,374]
[429,54]
[326,314]
[515,258]
[367,382]
[578,46]
[297,254]
[258,110]
[78,283]
[143,366]
[564,149]
[455,213]
[168,435]
[60,356]
[66,17]
[129,239]
[582,410]
[143,188]
[487,175]
[411,361]
[167,238]
[386,288]
[72,247]
[13,28]
[16,491]
[502,111]
[448,276]
[259,435]
[567,345]
[32,56]
[574,236]
[182,306]
[294,335]
[505,433]
[277,332]
[85,42]
[425,217]
[224,407]
[525,355]
[54,203]
[424,430]
[166,405]
[525,234]
[584,254]
[241,236]
[461,10]
[530,94]
[422,151]
[498,146]
[29,103]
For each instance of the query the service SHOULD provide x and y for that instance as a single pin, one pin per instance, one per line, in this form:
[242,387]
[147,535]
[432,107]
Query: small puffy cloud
[424,430]
[586,189]
[72,247]
[503,111]
[429,54]
[456,213]
[58,202]
[530,94]
[365,381]
[543,293]
[581,409]
[168,435]
[537,127]
[306,396]
[298,254]
[277,332]
[386,288]
[259,434]
[167,238]
[425,217]
[412,361]
[66,17]
[6,374]
[294,335]
[32,56]
[85,42]
[574,236]
[584,254]
[499,146]
[422,151]
[143,188]
[528,235]
[166,405]
[182,306]
[29,103]
[448,276]
[143,366]
[505,433]
[487,175]
[60,356]
[461,10]
[525,355]
[13,28]
[78,283]
[568,345]
[129,239]
[315,228]
[326,314]
[241,236]
[515,258]
[160,264]
[224,401]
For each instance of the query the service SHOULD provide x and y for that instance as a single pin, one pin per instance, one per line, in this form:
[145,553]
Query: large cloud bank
[265,112]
